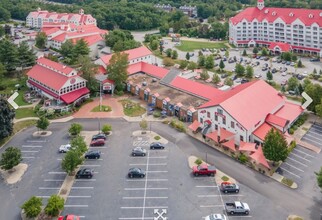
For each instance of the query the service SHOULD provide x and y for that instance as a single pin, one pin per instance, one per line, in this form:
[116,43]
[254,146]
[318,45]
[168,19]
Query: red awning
[224,134]
[259,157]
[167,99]
[246,146]
[73,96]
[156,95]
[208,122]
[43,89]
[195,125]
[213,136]
[179,104]
[230,144]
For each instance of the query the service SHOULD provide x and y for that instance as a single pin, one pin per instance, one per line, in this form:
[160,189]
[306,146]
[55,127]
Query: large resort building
[299,29]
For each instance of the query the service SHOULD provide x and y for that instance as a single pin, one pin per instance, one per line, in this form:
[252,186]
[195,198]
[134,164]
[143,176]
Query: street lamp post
[100,96]
[99,125]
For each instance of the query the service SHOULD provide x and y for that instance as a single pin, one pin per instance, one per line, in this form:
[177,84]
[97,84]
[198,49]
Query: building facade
[300,28]
[36,19]
[57,82]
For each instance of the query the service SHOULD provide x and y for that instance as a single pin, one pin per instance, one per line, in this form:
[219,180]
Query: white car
[64,148]
[258,76]
[284,73]
[216,217]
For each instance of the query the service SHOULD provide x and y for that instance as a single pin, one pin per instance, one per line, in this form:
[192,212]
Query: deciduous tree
[168,52]
[275,146]
[239,69]
[209,63]
[54,206]
[70,161]
[10,158]
[154,44]
[42,123]
[9,55]
[249,72]
[167,61]
[228,81]
[215,78]
[78,144]
[26,56]
[75,129]
[319,178]
[204,75]
[117,70]
[292,83]
[174,54]
[88,70]
[192,65]
[201,60]
[6,117]
[32,207]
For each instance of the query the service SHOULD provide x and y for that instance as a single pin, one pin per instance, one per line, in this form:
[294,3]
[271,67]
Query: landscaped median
[153,137]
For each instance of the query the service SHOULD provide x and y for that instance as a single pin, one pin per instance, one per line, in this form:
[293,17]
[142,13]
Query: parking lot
[314,135]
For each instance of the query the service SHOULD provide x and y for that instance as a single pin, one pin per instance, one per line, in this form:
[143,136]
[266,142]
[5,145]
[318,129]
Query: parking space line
[304,153]
[85,180]
[149,207]
[48,188]
[57,173]
[305,139]
[210,206]
[90,165]
[138,180]
[129,189]
[76,206]
[202,196]
[307,134]
[319,134]
[44,197]
[297,161]
[241,216]
[97,148]
[294,167]
[53,180]
[206,186]
[160,157]
[300,157]
[290,172]
[145,185]
[34,141]
[79,196]
[317,125]
[138,218]
[145,197]
[27,157]
[156,171]
[82,187]
[29,151]
[31,146]
[143,164]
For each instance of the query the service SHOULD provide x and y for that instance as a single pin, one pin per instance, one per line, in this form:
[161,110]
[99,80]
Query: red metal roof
[224,134]
[288,15]
[154,71]
[57,66]
[74,95]
[90,40]
[246,146]
[60,38]
[108,81]
[230,144]
[195,88]
[195,125]
[276,120]
[289,111]
[259,157]
[213,136]
[262,130]
[283,47]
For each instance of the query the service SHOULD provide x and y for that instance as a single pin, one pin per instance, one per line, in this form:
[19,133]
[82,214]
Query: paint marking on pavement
[53,180]
[44,197]
[319,134]
[240,216]
[143,164]
[53,188]
[156,171]
[304,153]
[27,157]
[31,146]
[75,206]
[90,165]
[306,139]
[136,218]
[206,186]
[36,141]
[128,189]
[57,173]
[294,167]
[317,125]
[307,134]
[160,157]
[145,197]
[79,196]
[300,157]
[297,162]
[202,196]
[29,151]
[97,148]
[149,180]
[210,206]
[146,207]
[290,172]
[82,187]
[85,180]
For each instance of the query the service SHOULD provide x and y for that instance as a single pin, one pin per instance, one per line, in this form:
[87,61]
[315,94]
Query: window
[216,127]
[219,111]
[241,138]
[224,121]
[208,114]
[216,117]
[232,124]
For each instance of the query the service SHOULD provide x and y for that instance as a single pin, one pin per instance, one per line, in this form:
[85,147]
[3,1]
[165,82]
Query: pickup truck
[237,208]
[204,170]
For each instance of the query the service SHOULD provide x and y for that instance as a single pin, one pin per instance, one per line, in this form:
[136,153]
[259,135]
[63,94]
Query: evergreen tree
[9,55]
[255,50]
[209,62]
[264,51]
[67,51]
[244,53]
[221,65]
[6,117]
[187,56]
[299,64]
[201,61]
[88,70]
[275,146]
[26,56]
[168,52]
[174,54]
[269,75]
[41,40]
[117,70]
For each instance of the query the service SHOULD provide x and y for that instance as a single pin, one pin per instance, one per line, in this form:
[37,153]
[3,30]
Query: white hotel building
[301,29]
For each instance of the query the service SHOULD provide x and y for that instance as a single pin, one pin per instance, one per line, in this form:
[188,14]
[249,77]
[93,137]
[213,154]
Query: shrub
[243,158]
[287,181]
[106,128]
[54,206]
[178,125]
[198,161]
[292,146]
[291,130]
[143,124]
[119,93]
[224,178]
[157,138]
[32,207]
[75,129]
[10,158]
[157,114]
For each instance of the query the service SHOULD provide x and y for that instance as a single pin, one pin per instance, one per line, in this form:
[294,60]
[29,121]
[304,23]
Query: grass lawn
[196,45]
[25,112]
[132,109]
[104,108]
[19,100]
[18,127]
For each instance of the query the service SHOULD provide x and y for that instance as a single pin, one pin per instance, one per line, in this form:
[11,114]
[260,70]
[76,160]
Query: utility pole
[100,96]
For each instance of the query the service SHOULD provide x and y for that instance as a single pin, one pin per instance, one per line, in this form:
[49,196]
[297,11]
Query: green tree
[54,206]
[88,70]
[275,146]
[167,61]
[9,55]
[215,78]
[315,92]
[292,83]
[264,52]
[117,70]
[201,60]
[227,53]
[70,162]
[78,145]
[120,40]
[294,57]
[2,32]
[67,50]
[287,56]
[174,54]
[80,49]
[10,158]
[204,75]
[244,53]
[107,128]
[154,44]
[299,64]
[209,63]
[168,52]
[314,71]
[4,14]
[228,81]
[143,124]
[75,129]
[187,56]
[41,40]
[221,65]
[239,69]
[32,207]
[269,75]
[255,50]
[183,64]
[6,115]
[249,71]
[318,109]
[319,178]
[42,123]
[26,56]
[192,66]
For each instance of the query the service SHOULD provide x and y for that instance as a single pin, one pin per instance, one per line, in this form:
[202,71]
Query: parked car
[258,57]
[274,70]
[300,77]
[258,76]
[85,173]
[264,68]
[136,173]
[237,208]
[204,169]
[238,80]
[291,92]
[288,63]
[315,59]
[224,75]
[216,217]
[99,136]
[228,187]
[274,60]
[244,81]
[284,73]
[92,154]
[138,151]
[279,61]
[284,82]
[97,142]
[156,145]
[64,148]
[284,62]
[292,64]
[69,217]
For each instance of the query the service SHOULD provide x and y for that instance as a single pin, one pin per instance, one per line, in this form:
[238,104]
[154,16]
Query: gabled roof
[284,47]
[57,66]
[289,111]
[133,54]
[288,15]
[262,130]
[213,136]
[224,134]
[259,157]
[195,125]
[90,40]
[195,88]
[149,69]
[276,120]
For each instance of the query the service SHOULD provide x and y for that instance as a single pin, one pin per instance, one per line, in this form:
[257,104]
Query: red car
[98,142]
[69,217]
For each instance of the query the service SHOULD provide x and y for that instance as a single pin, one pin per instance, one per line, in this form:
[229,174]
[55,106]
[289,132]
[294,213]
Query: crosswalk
[141,143]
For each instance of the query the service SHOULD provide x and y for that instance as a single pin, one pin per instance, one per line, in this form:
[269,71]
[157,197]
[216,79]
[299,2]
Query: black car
[138,151]
[274,70]
[156,145]
[315,60]
[84,173]
[228,187]
[99,136]
[136,173]
[224,75]
[93,154]
[244,81]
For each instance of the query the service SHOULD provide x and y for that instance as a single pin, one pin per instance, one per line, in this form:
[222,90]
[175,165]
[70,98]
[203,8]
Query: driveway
[314,135]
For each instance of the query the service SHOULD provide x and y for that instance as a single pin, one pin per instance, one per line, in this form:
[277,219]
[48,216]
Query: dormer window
[320,14]
[266,11]
[310,16]
[291,14]
[273,13]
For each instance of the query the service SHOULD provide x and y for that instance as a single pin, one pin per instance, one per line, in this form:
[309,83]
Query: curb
[151,135]
[278,177]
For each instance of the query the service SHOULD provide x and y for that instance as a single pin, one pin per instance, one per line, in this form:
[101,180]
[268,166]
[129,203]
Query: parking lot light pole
[99,125]
[150,125]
